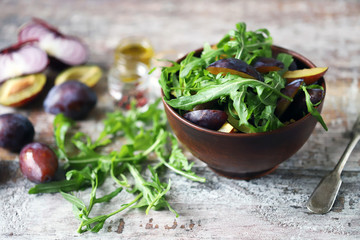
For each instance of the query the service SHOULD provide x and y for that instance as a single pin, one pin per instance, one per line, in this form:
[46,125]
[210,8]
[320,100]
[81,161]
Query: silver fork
[324,195]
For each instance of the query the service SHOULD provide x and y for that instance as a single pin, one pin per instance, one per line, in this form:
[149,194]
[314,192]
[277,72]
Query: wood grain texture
[272,207]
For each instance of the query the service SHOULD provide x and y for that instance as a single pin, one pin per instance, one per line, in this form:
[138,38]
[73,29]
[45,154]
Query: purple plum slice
[234,66]
[265,65]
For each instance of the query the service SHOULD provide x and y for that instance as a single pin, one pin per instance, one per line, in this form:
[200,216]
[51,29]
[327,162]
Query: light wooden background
[272,207]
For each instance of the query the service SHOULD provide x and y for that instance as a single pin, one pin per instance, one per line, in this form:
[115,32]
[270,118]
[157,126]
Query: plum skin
[72,98]
[38,162]
[210,119]
[15,131]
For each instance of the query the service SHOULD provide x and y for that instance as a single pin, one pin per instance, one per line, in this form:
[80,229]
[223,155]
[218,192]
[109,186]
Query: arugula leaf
[286,59]
[153,192]
[163,81]
[53,187]
[178,163]
[246,45]
[74,200]
[108,197]
[312,110]
[61,126]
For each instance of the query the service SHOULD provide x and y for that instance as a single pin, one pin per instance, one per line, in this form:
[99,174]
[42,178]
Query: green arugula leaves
[87,165]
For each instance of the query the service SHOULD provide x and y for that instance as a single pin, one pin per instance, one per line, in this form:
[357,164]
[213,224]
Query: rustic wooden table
[272,207]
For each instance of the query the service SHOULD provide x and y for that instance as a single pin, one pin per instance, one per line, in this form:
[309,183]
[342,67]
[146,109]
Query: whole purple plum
[72,98]
[15,131]
[38,162]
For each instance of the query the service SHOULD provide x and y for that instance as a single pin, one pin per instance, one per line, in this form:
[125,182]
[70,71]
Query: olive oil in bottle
[127,78]
[135,48]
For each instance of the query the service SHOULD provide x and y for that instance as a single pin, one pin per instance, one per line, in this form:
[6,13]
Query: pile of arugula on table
[145,133]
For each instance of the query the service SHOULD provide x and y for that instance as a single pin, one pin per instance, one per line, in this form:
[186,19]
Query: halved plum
[20,59]
[265,65]
[87,74]
[211,119]
[234,66]
[67,49]
[18,91]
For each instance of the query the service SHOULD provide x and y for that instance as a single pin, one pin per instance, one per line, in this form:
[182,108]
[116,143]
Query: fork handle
[345,156]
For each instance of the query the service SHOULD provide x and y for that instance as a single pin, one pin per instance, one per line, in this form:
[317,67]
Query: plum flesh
[19,91]
[64,50]
[20,59]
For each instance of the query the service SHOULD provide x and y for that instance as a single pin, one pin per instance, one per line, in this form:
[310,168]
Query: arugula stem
[139,180]
[185,88]
[85,160]
[103,159]
[126,205]
[185,174]
[158,197]
[242,47]
[279,93]
[109,196]
[94,184]
[112,174]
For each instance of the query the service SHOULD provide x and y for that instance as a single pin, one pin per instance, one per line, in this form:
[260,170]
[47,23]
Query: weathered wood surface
[272,207]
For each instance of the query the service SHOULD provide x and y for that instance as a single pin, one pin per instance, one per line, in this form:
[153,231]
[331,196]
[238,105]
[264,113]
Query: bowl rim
[300,57]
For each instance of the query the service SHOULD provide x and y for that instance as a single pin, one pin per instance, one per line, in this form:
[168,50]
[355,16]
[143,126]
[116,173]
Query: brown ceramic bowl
[239,155]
